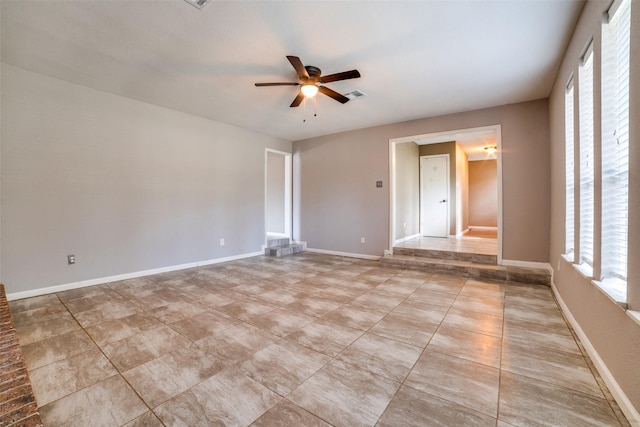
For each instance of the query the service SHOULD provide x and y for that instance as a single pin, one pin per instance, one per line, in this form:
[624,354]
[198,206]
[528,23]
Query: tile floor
[307,340]
[473,245]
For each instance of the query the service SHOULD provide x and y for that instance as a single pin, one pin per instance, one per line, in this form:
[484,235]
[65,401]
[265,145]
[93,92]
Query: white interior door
[434,195]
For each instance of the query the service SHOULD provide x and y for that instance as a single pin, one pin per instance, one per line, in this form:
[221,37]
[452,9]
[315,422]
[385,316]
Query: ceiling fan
[310,77]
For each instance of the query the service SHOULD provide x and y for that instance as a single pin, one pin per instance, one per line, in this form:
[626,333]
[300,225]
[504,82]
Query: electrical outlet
[378,184]
[71,259]
[221,242]
[362,240]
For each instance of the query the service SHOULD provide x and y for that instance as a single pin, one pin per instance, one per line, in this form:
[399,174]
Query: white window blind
[569,169]
[585,103]
[615,140]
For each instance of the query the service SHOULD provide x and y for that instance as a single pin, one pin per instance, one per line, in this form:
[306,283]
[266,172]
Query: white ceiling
[417,58]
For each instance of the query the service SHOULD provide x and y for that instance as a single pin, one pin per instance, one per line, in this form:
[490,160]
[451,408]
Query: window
[585,101]
[570,187]
[615,140]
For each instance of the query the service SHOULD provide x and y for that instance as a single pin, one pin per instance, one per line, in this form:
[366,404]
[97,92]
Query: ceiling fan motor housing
[314,72]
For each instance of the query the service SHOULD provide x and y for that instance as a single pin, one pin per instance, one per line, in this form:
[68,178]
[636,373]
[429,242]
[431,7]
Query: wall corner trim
[345,254]
[632,414]
[109,279]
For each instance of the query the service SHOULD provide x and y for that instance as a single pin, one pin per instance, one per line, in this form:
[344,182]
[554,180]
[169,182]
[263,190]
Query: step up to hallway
[282,247]
[477,266]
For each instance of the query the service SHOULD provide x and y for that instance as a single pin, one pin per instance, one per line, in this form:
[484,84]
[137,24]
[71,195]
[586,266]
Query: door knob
[443,201]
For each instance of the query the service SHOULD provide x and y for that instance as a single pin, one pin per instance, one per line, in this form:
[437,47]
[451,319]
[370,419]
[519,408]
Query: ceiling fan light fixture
[309,90]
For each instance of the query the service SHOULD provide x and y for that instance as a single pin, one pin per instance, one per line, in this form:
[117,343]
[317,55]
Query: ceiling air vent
[355,95]
[200,4]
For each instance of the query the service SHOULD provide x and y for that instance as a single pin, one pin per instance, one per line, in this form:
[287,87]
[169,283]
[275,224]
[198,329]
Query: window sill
[612,288]
[615,289]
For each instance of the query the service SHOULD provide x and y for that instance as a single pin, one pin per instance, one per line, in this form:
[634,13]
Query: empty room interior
[312,213]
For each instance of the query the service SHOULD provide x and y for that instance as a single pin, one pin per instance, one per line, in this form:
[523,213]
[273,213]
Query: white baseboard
[528,264]
[482,227]
[344,254]
[109,279]
[632,414]
[404,239]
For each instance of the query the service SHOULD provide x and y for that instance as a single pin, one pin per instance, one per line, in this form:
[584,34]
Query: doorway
[277,194]
[434,195]
[482,138]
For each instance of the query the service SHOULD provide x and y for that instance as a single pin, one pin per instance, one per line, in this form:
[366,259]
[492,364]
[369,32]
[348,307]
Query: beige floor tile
[309,339]
[170,374]
[466,383]
[108,403]
[345,395]
[485,305]
[288,414]
[415,408]
[383,356]
[54,349]
[447,285]
[313,306]
[245,308]
[405,329]
[325,337]
[106,311]
[204,324]
[377,302]
[281,321]
[143,347]
[175,311]
[557,367]
[26,304]
[118,329]
[228,398]
[58,379]
[525,401]
[283,366]
[61,324]
[421,311]
[148,419]
[551,338]
[354,317]
[473,321]
[236,344]
[467,345]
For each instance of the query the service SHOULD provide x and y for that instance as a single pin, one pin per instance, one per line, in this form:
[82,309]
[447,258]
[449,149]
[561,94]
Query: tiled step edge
[18,405]
[272,243]
[439,254]
[469,269]
[284,250]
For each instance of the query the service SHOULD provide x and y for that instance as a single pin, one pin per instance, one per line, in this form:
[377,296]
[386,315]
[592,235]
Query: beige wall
[450,149]
[336,202]
[124,185]
[407,190]
[612,333]
[483,193]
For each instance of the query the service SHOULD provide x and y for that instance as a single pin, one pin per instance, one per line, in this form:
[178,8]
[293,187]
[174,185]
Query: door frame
[392,178]
[288,191]
[422,210]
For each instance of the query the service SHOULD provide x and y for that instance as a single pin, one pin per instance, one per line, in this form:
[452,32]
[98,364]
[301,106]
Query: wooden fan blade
[297,100]
[277,84]
[345,75]
[333,94]
[299,67]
